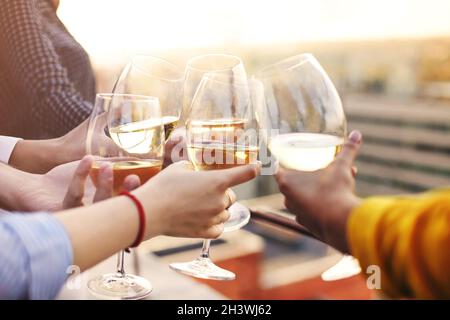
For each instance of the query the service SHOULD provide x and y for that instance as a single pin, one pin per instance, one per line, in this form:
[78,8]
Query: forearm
[40,248]
[40,156]
[335,233]
[13,182]
[100,230]
[327,218]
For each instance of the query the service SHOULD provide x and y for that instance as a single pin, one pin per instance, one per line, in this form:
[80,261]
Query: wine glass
[221,134]
[226,68]
[223,64]
[152,76]
[303,111]
[126,131]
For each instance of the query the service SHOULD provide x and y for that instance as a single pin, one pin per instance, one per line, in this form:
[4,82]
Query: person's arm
[38,250]
[40,156]
[35,254]
[61,188]
[173,204]
[178,202]
[322,200]
[407,237]
[13,182]
[40,77]
[7,146]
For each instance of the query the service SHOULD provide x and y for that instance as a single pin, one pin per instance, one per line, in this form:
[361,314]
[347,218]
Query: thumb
[75,191]
[350,149]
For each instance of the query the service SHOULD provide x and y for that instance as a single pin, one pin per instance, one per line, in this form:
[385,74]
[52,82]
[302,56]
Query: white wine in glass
[299,105]
[230,70]
[221,148]
[305,151]
[127,132]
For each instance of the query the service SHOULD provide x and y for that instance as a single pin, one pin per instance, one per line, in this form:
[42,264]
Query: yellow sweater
[408,237]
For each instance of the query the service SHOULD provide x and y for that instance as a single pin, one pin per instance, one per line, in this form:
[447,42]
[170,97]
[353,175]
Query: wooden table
[167,284]
[290,276]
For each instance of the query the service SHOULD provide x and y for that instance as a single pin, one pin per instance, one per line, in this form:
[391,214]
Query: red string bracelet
[142,220]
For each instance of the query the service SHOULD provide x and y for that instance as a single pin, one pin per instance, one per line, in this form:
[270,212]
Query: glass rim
[210,76]
[191,60]
[139,97]
[172,65]
[269,70]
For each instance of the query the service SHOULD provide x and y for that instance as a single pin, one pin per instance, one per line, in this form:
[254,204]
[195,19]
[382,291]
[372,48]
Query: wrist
[55,152]
[151,206]
[336,233]
[66,150]
[17,185]
[40,156]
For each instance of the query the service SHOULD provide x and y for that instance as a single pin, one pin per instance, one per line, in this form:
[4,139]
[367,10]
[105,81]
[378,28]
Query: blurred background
[390,61]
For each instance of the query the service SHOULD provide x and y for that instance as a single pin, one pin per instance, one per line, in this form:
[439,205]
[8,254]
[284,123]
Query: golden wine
[226,130]
[138,137]
[170,123]
[219,144]
[305,151]
[144,169]
[214,155]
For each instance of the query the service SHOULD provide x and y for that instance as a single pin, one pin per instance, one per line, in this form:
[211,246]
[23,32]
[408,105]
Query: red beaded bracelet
[142,219]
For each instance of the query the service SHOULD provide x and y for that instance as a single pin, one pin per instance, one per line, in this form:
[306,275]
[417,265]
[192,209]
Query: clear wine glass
[152,76]
[303,111]
[226,68]
[126,131]
[221,134]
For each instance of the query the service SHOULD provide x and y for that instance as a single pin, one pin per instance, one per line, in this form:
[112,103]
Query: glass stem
[205,249]
[120,263]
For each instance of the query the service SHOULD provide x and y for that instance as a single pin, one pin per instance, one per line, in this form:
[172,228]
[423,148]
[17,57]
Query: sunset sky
[112,26]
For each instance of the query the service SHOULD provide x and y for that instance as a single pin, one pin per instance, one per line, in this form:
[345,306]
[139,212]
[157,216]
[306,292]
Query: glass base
[115,286]
[345,268]
[239,217]
[203,268]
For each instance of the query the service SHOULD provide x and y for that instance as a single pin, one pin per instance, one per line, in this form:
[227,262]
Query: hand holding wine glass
[322,200]
[65,186]
[126,133]
[220,135]
[99,230]
[299,105]
[182,210]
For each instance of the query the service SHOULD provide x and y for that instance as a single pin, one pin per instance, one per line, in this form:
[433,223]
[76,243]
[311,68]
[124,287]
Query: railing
[406,144]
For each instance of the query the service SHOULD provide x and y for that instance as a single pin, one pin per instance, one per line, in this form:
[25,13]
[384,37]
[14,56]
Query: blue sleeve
[34,256]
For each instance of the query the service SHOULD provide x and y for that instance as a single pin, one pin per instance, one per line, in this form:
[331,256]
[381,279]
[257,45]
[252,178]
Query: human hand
[322,200]
[73,144]
[183,203]
[67,186]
